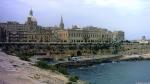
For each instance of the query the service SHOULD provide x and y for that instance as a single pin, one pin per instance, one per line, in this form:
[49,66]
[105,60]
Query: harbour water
[135,72]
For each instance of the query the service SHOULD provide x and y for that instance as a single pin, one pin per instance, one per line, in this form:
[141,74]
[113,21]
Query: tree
[116,47]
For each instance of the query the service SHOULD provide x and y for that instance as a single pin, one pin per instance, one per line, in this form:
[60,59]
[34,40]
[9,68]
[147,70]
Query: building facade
[118,36]
[30,31]
[89,35]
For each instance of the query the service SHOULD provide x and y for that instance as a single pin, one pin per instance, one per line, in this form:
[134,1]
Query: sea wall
[61,51]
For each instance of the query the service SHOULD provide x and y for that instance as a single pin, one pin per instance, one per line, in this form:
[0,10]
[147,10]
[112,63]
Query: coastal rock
[15,71]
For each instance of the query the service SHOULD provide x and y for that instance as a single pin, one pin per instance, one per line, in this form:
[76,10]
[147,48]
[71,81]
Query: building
[143,40]
[118,36]
[13,31]
[89,34]
[61,35]
[2,35]
[30,31]
[31,22]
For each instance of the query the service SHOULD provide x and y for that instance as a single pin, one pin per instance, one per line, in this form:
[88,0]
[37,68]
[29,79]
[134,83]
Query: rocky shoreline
[135,57]
[15,71]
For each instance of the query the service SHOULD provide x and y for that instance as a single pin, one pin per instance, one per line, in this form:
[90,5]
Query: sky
[130,16]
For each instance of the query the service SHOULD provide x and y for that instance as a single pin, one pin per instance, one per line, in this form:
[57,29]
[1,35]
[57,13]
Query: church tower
[31,13]
[61,25]
[31,21]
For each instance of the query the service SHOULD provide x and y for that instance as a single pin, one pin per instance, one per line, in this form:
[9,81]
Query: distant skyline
[130,16]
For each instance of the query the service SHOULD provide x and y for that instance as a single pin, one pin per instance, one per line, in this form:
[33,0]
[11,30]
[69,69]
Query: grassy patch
[45,65]
[42,64]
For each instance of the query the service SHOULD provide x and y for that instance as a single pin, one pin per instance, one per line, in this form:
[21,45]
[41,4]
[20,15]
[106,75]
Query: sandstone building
[30,31]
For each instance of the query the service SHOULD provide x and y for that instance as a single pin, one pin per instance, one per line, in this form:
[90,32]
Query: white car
[75,58]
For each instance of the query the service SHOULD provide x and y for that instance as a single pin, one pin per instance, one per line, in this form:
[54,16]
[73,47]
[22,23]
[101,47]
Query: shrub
[74,78]
[23,56]
[63,70]
[70,82]
[42,64]
[45,65]
[52,67]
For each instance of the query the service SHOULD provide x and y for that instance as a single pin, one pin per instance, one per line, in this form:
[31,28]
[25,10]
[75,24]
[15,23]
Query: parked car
[74,58]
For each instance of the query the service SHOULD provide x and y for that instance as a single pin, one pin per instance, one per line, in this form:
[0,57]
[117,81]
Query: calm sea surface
[137,72]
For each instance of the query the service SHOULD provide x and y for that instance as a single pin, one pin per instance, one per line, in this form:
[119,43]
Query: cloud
[121,6]
[128,5]
[41,4]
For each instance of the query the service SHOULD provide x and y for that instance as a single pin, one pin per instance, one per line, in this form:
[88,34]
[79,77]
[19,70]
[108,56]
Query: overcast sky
[131,16]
